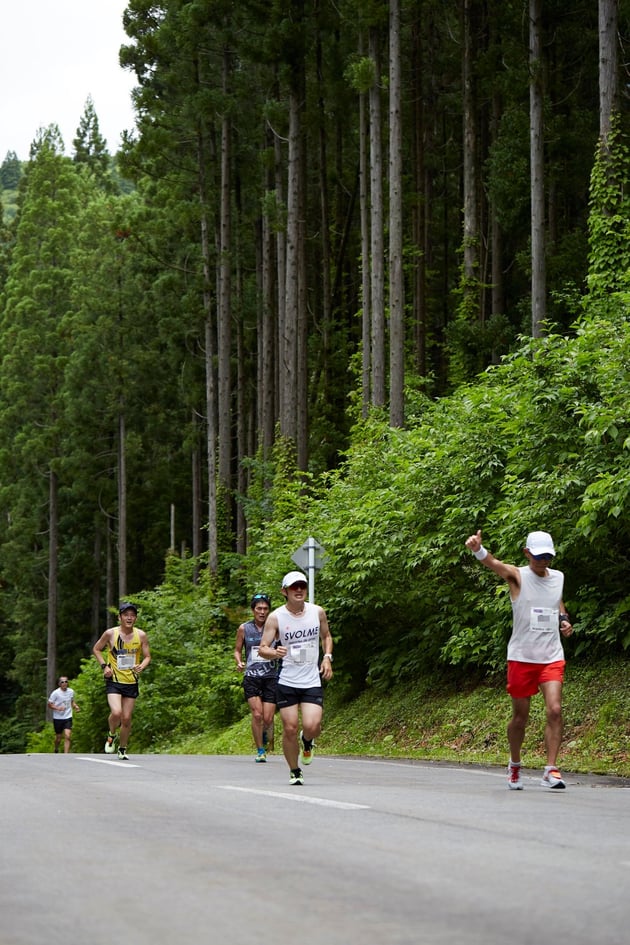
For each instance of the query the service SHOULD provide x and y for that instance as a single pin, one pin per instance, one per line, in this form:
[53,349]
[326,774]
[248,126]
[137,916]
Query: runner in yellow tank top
[123,656]
[123,653]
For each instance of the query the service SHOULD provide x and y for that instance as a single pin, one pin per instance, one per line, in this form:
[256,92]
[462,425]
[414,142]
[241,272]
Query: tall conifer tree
[34,349]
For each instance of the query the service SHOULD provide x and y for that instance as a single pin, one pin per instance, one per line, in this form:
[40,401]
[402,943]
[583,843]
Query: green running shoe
[307,750]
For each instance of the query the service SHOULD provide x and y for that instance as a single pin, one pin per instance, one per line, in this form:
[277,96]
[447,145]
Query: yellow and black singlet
[122,657]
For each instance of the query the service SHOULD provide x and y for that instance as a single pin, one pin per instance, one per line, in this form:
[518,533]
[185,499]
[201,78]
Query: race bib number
[543,619]
[304,652]
[126,660]
[255,656]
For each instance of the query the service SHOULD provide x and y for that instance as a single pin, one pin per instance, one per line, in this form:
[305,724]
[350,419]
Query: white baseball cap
[540,543]
[292,578]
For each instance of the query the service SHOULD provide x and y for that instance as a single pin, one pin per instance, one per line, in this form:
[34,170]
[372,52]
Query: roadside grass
[444,721]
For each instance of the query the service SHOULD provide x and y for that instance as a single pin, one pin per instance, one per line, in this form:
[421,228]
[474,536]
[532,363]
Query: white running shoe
[552,778]
[515,781]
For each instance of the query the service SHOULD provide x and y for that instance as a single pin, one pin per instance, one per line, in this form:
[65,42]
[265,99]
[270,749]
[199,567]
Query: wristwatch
[327,656]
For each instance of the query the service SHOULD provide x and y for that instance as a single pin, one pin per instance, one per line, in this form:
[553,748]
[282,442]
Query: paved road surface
[167,850]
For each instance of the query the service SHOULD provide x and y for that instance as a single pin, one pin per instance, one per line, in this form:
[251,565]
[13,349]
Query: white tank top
[536,629]
[300,635]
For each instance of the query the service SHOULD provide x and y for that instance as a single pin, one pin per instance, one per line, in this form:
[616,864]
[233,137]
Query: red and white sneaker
[515,781]
[552,778]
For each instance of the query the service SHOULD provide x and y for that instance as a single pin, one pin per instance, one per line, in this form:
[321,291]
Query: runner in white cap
[535,653]
[299,628]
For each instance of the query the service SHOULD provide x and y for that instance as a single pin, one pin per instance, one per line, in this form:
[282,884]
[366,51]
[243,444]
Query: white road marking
[107,761]
[501,773]
[296,796]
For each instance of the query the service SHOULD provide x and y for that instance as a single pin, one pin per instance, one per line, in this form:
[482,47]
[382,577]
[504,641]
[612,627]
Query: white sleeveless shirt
[536,629]
[300,635]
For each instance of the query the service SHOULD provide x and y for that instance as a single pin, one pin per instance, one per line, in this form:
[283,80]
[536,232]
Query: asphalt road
[167,850]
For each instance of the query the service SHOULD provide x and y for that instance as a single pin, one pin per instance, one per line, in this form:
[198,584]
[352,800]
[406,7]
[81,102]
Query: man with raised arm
[535,655]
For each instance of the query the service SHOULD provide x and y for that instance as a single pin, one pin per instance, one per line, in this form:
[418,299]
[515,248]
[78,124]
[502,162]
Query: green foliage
[541,441]
[104,305]
[10,171]
[508,169]
[472,344]
[361,74]
[609,221]
[34,349]
[90,148]
[42,741]
[286,516]
[190,686]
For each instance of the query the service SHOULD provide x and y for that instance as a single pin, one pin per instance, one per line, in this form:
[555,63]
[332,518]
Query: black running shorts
[288,695]
[264,687]
[126,690]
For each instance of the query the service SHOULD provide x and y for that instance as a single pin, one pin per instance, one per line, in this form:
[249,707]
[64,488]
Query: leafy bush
[540,441]
[190,685]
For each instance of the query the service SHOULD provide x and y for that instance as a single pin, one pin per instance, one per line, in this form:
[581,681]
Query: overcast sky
[54,54]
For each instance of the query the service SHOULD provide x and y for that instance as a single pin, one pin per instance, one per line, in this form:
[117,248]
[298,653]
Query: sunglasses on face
[544,557]
[300,586]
